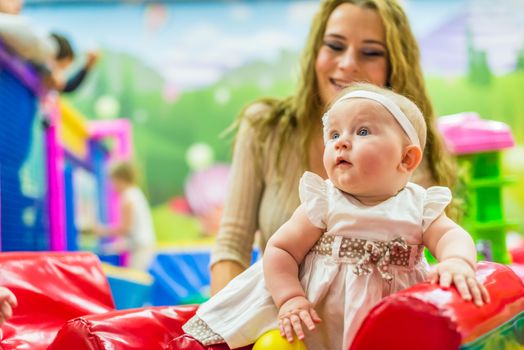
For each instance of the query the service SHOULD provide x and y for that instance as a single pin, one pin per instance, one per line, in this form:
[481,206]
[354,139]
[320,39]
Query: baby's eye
[335,135]
[363,132]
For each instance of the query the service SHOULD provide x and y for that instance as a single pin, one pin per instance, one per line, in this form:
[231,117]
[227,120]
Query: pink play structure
[467,133]
[119,130]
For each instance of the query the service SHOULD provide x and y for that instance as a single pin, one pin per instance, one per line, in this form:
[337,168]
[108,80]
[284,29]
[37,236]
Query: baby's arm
[7,303]
[284,252]
[455,250]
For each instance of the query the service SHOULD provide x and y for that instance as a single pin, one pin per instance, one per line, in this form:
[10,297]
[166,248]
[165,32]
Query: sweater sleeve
[240,217]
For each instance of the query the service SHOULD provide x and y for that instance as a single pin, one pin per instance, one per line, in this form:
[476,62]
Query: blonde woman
[277,140]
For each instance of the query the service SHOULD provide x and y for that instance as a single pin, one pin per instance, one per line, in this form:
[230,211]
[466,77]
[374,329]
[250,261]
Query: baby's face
[364,148]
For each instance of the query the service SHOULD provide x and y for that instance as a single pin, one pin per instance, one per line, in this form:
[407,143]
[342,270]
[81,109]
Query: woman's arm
[234,244]
[222,272]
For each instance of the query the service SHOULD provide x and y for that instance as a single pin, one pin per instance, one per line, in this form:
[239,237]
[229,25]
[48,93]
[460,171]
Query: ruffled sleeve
[436,200]
[313,196]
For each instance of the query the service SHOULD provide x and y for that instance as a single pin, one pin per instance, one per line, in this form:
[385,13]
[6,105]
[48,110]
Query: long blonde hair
[302,111]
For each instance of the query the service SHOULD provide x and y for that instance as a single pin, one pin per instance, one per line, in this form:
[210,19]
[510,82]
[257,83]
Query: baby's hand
[7,303]
[460,273]
[291,315]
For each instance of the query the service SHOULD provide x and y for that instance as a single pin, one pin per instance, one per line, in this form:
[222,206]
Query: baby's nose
[342,143]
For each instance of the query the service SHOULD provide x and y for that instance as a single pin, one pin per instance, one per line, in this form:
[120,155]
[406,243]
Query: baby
[356,237]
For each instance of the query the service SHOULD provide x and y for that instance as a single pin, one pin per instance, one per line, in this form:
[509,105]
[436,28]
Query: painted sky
[192,44]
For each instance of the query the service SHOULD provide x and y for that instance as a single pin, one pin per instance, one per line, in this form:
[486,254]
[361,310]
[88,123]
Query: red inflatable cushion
[51,288]
[431,318]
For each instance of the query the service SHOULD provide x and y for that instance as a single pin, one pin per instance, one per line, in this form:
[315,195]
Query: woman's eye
[373,53]
[363,132]
[334,45]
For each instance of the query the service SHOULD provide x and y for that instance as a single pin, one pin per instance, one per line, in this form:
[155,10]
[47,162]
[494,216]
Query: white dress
[361,258]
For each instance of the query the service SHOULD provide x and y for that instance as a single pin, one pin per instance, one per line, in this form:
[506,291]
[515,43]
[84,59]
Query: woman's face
[353,49]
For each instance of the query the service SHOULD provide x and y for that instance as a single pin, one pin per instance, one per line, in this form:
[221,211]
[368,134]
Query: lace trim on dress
[199,329]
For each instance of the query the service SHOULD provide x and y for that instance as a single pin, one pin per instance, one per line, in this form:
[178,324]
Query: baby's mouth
[342,161]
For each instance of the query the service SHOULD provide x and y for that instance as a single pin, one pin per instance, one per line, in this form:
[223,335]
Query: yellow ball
[272,340]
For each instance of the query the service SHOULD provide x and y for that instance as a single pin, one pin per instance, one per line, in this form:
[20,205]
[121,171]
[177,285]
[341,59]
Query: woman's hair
[408,107]
[124,171]
[303,110]
[65,50]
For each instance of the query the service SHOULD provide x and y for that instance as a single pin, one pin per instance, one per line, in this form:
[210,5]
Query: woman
[277,140]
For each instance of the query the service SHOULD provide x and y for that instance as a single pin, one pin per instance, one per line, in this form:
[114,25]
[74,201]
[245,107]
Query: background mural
[181,71]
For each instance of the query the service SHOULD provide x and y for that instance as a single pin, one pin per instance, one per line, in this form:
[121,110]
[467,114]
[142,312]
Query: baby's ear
[411,158]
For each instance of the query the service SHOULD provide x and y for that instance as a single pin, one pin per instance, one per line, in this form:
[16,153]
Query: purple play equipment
[24,72]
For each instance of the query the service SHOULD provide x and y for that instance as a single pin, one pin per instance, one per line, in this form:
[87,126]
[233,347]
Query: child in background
[356,237]
[7,303]
[54,76]
[136,224]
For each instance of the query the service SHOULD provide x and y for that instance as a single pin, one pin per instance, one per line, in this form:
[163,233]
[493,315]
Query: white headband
[389,105]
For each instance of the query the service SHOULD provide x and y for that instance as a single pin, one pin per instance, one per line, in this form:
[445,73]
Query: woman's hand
[291,315]
[459,272]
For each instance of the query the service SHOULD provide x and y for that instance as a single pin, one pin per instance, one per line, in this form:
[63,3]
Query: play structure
[52,167]
[478,144]
[54,164]
[76,170]
[53,178]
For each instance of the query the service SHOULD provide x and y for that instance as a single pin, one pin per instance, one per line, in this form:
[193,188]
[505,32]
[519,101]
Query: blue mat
[182,277]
